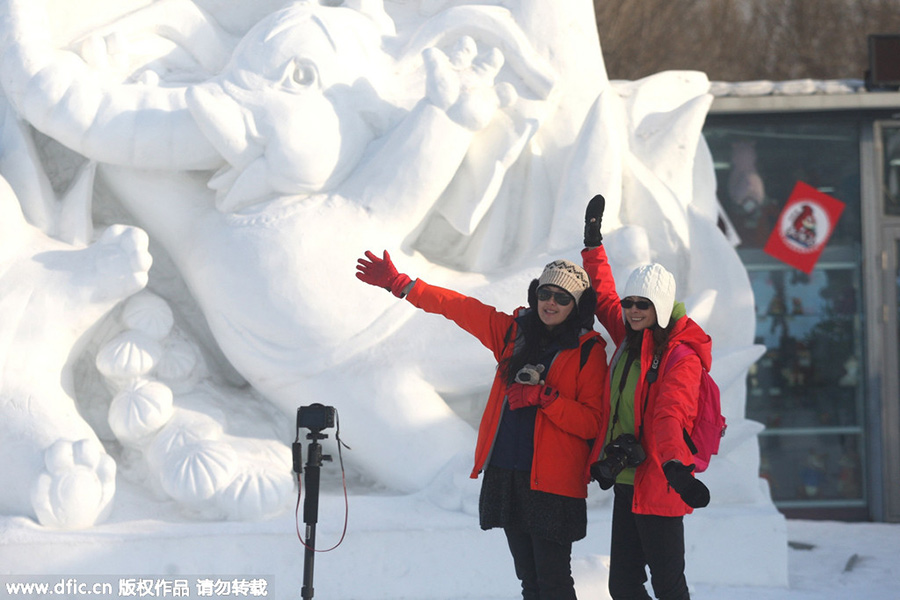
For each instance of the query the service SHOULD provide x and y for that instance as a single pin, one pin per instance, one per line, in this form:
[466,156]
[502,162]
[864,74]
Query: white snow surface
[793,87]
[144,417]
[399,547]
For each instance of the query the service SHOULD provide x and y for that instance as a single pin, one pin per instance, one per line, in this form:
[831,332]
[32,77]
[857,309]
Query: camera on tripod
[624,451]
[315,417]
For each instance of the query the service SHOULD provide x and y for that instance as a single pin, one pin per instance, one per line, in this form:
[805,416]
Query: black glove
[605,482]
[694,493]
[592,217]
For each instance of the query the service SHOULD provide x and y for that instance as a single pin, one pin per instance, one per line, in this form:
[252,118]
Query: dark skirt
[508,501]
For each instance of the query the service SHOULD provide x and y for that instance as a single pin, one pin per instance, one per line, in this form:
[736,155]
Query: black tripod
[314,458]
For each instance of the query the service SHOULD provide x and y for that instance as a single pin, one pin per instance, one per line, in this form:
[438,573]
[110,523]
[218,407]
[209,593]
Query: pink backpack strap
[678,352]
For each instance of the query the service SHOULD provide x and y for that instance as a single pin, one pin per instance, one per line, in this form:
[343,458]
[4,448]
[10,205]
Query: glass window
[810,373]
[805,469]
[807,389]
[759,160]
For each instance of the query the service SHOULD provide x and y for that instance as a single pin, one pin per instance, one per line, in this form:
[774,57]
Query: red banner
[803,227]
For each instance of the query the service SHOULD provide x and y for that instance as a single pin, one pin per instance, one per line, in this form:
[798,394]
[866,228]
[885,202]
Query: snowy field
[406,548]
[827,560]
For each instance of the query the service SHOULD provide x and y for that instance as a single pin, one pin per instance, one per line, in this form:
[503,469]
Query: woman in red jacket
[544,407]
[643,453]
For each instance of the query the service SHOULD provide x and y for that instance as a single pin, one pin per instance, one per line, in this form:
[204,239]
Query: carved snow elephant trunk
[106,120]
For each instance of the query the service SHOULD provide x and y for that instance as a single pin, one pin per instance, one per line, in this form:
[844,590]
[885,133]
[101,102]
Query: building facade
[828,386]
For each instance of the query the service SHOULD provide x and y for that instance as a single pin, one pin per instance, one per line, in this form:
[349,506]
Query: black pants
[543,566]
[639,541]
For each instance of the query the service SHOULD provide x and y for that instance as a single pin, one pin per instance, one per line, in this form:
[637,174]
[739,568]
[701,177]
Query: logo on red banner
[804,227]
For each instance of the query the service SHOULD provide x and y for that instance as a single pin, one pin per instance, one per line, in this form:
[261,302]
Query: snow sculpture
[55,467]
[263,147]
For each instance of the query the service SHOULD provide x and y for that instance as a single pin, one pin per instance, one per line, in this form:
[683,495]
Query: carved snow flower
[130,354]
[186,428]
[257,493]
[140,410]
[178,361]
[149,314]
[195,472]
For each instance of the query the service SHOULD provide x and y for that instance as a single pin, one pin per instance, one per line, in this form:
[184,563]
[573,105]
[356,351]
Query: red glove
[520,395]
[381,272]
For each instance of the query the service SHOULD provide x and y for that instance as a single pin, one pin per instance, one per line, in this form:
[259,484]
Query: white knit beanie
[567,275]
[657,285]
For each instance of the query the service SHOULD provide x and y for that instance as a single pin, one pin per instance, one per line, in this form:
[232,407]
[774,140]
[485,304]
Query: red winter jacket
[670,405]
[565,427]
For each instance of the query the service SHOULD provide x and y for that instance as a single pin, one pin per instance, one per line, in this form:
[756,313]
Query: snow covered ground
[828,560]
[406,548]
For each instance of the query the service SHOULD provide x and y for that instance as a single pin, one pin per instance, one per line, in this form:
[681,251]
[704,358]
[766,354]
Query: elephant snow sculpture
[263,148]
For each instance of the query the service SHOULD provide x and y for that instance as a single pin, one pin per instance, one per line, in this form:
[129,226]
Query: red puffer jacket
[669,405]
[564,428]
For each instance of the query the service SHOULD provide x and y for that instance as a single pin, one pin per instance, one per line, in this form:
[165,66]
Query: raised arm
[596,264]
[486,323]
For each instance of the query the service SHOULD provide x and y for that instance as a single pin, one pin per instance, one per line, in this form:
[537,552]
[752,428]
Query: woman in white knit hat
[652,401]
[545,404]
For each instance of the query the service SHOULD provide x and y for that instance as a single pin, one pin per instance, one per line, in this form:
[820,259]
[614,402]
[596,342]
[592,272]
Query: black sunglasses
[641,304]
[561,298]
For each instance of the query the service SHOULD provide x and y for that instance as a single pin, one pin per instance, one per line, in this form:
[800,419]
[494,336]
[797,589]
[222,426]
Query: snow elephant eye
[301,72]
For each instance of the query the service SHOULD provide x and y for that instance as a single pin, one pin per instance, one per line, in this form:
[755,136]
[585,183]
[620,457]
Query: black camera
[315,417]
[624,451]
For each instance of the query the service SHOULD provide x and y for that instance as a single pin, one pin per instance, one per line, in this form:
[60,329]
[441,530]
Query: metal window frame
[882,236]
